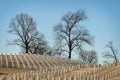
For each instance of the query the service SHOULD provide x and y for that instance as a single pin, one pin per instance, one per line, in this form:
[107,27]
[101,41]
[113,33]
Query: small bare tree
[69,35]
[113,55]
[39,46]
[88,56]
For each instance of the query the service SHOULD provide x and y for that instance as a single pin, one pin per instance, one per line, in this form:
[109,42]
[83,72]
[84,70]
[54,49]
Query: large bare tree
[69,35]
[113,54]
[88,56]
[24,27]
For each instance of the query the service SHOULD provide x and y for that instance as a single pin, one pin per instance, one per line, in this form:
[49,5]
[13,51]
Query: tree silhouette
[28,38]
[112,55]
[69,35]
[88,56]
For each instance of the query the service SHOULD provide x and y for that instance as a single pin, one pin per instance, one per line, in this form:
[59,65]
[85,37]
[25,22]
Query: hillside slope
[38,67]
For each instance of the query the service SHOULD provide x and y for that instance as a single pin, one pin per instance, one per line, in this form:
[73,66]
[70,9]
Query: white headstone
[6,60]
[11,59]
[22,61]
[1,59]
[18,64]
[27,61]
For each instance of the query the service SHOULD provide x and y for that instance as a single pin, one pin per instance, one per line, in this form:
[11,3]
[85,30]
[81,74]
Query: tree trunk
[115,57]
[26,47]
[70,50]
[26,50]
[69,55]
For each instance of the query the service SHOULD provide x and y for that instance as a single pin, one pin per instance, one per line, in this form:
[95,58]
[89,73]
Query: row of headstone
[64,62]
[16,61]
[12,60]
[100,68]
[1,60]
[6,60]
[20,56]
[65,65]
[38,61]
[112,74]
[46,60]
[18,64]
[35,75]
[55,75]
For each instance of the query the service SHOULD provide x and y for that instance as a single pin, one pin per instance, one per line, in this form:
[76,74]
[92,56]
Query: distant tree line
[69,37]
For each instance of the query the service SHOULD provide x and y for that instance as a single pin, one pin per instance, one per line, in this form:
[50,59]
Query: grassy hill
[38,67]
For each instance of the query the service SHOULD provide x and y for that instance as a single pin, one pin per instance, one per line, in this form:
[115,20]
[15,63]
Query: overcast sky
[103,20]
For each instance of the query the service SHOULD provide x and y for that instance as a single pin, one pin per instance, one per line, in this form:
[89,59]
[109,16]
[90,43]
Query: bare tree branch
[69,34]
[88,56]
[112,55]
[28,38]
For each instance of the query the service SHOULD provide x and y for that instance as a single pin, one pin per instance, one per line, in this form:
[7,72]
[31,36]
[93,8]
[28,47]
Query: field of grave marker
[39,67]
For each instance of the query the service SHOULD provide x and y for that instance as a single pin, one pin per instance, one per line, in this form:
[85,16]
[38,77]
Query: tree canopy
[69,35]
[28,38]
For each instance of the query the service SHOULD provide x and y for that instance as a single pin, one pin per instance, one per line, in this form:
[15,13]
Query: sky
[103,20]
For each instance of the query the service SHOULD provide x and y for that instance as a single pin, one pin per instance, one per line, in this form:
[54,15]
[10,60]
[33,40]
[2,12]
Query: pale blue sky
[103,20]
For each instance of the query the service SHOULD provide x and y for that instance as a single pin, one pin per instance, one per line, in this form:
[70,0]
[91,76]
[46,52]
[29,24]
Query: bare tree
[88,56]
[40,46]
[28,38]
[113,55]
[69,35]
